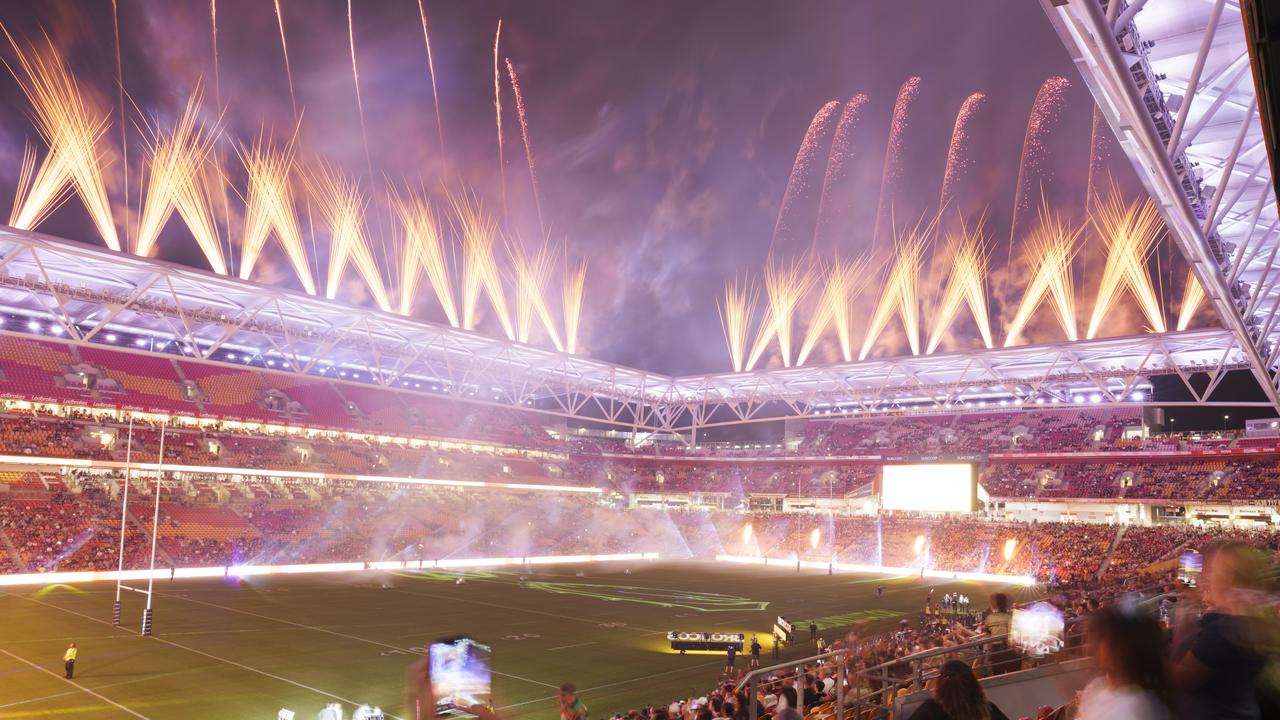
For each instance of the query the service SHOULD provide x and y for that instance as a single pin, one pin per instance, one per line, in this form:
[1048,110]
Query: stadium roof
[1173,80]
[91,294]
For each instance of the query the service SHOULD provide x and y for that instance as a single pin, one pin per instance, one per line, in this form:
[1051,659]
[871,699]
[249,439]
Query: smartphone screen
[460,675]
[1037,629]
[1190,564]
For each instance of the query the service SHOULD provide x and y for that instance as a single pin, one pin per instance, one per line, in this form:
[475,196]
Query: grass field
[230,651]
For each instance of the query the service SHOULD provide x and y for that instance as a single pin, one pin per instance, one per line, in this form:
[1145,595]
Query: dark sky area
[664,132]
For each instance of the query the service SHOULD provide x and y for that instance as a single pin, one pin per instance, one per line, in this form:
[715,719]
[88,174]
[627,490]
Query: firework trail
[838,167]
[528,145]
[1099,153]
[966,285]
[891,175]
[124,143]
[1131,231]
[269,208]
[739,304]
[799,188]
[284,47]
[959,160]
[1033,164]
[431,68]
[497,108]
[1192,297]
[217,77]
[1051,246]
[355,79]
[901,290]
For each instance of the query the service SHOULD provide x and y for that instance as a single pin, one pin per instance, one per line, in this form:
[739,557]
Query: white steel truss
[1173,79]
[89,296]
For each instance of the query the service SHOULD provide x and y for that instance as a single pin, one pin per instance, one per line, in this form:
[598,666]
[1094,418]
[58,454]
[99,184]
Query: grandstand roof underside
[93,293]
[1174,80]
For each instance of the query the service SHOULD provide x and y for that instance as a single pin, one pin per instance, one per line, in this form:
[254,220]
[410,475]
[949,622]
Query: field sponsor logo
[661,597]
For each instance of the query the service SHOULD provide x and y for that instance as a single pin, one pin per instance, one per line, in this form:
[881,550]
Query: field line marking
[82,688]
[566,647]
[189,649]
[100,687]
[521,609]
[357,638]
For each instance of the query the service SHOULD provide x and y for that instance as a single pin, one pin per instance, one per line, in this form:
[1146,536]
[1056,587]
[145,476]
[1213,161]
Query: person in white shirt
[1128,649]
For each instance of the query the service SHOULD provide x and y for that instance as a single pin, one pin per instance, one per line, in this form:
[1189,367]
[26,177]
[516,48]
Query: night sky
[664,132]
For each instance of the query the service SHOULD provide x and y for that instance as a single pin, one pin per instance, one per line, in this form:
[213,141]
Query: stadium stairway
[1111,552]
[1020,694]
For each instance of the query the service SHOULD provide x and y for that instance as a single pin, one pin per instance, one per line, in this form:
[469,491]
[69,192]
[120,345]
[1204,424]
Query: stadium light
[33,326]
[1095,398]
[1138,396]
[111,337]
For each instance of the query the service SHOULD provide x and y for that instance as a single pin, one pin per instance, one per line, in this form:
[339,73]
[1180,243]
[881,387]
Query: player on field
[571,707]
[732,659]
[755,652]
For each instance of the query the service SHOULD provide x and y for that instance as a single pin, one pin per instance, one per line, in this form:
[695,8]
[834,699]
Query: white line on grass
[613,684]
[525,610]
[195,651]
[146,678]
[47,671]
[325,630]
[566,647]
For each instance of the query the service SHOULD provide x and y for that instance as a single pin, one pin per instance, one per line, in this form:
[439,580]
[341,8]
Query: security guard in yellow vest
[69,657]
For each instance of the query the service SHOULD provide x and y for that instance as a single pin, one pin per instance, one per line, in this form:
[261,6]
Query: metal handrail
[838,656]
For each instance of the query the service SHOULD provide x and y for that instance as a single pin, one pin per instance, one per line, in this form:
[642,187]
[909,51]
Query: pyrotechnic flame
[269,207]
[479,232]
[1130,231]
[1051,246]
[838,162]
[958,158]
[71,128]
[967,284]
[835,307]
[355,80]
[575,283]
[1192,297]
[341,203]
[892,172]
[532,273]
[424,251]
[815,141]
[740,298]
[785,286]
[179,179]
[901,290]
[528,144]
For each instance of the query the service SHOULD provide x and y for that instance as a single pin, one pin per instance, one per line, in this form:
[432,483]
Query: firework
[740,298]
[532,273]
[891,175]
[124,138]
[71,127]
[341,203]
[1099,151]
[179,180]
[424,251]
[355,81]
[479,232]
[431,68]
[785,286]
[1192,297]
[834,307]
[217,77]
[269,208]
[1052,245]
[1033,163]
[284,47]
[901,289]
[528,145]
[497,109]
[575,283]
[1130,232]
[799,184]
[839,162]
[959,160]
[966,284]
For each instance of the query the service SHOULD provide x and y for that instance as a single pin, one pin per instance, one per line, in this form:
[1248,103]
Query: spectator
[957,696]
[1128,647]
